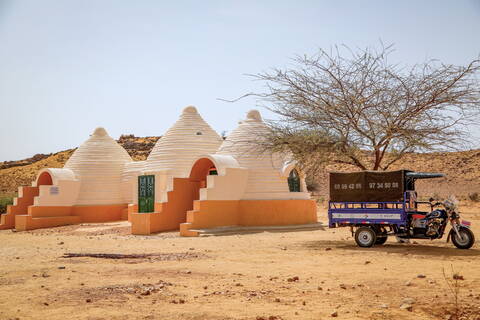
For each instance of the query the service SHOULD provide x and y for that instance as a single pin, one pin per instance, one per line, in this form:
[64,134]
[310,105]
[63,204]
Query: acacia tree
[357,108]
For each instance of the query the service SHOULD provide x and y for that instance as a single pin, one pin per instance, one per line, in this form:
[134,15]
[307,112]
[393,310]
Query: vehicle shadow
[434,249]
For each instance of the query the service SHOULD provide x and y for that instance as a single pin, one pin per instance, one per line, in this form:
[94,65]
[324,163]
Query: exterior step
[27,222]
[196,205]
[7,221]
[190,215]
[186,232]
[50,211]
[229,230]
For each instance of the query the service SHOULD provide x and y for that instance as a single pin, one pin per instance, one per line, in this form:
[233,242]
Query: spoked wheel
[466,239]
[365,237]
[381,239]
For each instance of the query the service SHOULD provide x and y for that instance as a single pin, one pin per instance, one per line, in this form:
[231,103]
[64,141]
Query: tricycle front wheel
[466,239]
[365,237]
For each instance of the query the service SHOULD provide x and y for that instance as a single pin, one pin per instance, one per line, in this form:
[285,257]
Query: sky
[67,67]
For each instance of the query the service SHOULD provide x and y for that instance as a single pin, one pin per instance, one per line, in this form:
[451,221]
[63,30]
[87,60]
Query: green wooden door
[146,193]
[294,181]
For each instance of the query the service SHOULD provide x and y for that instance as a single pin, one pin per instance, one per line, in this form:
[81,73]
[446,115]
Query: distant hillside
[462,168]
[23,172]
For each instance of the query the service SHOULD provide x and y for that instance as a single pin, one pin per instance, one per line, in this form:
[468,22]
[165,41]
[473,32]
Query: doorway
[294,181]
[146,193]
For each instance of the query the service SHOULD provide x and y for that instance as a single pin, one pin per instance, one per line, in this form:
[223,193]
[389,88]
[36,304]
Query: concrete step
[49,211]
[7,221]
[190,215]
[27,222]
[230,230]
[185,230]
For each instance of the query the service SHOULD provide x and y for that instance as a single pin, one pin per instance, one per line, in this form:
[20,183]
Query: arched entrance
[44,179]
[200,170]
[294,181]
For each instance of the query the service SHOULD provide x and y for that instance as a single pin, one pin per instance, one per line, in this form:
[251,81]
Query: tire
[365,237]
[467,241]
[381,240]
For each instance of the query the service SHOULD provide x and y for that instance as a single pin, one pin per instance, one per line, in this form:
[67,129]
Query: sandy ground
[282,275]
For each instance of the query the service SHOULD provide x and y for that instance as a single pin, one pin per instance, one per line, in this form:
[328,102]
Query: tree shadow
[437,249]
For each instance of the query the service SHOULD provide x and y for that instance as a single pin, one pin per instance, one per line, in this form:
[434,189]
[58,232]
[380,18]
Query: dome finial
[254,115]
[100,132]
[190,109]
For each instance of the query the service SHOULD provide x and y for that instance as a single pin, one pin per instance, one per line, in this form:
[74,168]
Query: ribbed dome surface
[264,168]
[98,164]
[187,139]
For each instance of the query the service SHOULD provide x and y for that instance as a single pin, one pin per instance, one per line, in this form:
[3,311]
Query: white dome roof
[98,164]
[264,167]
[187,139]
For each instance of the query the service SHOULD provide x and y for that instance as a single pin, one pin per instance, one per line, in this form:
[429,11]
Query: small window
[212,171]
[294,181]
[199,133]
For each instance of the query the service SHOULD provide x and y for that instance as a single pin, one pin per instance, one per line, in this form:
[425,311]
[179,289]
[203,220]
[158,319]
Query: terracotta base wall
[169,215]
[27,222]
[7,220]
[277,212]
[53,216]
[212,213]
[99,213]
[132,208]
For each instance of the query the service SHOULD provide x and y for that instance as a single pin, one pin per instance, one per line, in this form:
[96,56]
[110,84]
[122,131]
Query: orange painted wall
[169,215]
[52,216]
[215,213]
[277,212]
[27,222]
[132,208]
[101,213]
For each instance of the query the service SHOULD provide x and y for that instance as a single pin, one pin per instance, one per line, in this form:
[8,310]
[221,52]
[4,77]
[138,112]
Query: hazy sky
[67,67]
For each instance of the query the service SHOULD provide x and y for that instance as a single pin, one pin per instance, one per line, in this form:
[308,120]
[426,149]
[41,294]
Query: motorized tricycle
[376,205]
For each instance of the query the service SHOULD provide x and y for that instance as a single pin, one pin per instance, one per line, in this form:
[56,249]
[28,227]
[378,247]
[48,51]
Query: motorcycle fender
[465,224]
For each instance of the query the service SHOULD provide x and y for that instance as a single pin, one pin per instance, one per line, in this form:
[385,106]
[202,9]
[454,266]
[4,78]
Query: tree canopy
[356,107]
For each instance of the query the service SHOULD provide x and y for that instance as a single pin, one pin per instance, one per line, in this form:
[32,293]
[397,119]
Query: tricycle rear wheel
[365,237]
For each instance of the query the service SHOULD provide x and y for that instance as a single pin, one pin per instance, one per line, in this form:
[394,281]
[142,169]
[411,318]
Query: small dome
[190,109]
[254,115]
[187,139]
[98,164]
[100,132]
[244,144]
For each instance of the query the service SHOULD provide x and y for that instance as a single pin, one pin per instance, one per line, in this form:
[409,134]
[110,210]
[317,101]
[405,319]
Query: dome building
[191,180]
[251,187]
[163,192]
[87,189]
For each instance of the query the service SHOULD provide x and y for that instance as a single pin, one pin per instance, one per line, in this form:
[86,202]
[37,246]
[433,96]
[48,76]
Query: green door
[146,193]
[294,181]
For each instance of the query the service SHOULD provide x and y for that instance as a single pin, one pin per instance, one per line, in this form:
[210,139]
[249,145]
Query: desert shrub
[4,202]
[312,185]
[474,196]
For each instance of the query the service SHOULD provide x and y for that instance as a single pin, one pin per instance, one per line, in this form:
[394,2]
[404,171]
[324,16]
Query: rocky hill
[462,169]
[23,172]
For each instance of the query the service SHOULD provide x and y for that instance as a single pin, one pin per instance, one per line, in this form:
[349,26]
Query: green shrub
[4,202]
[474,196]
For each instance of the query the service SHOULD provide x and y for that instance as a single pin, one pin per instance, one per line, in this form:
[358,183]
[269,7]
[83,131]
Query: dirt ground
[279,275]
